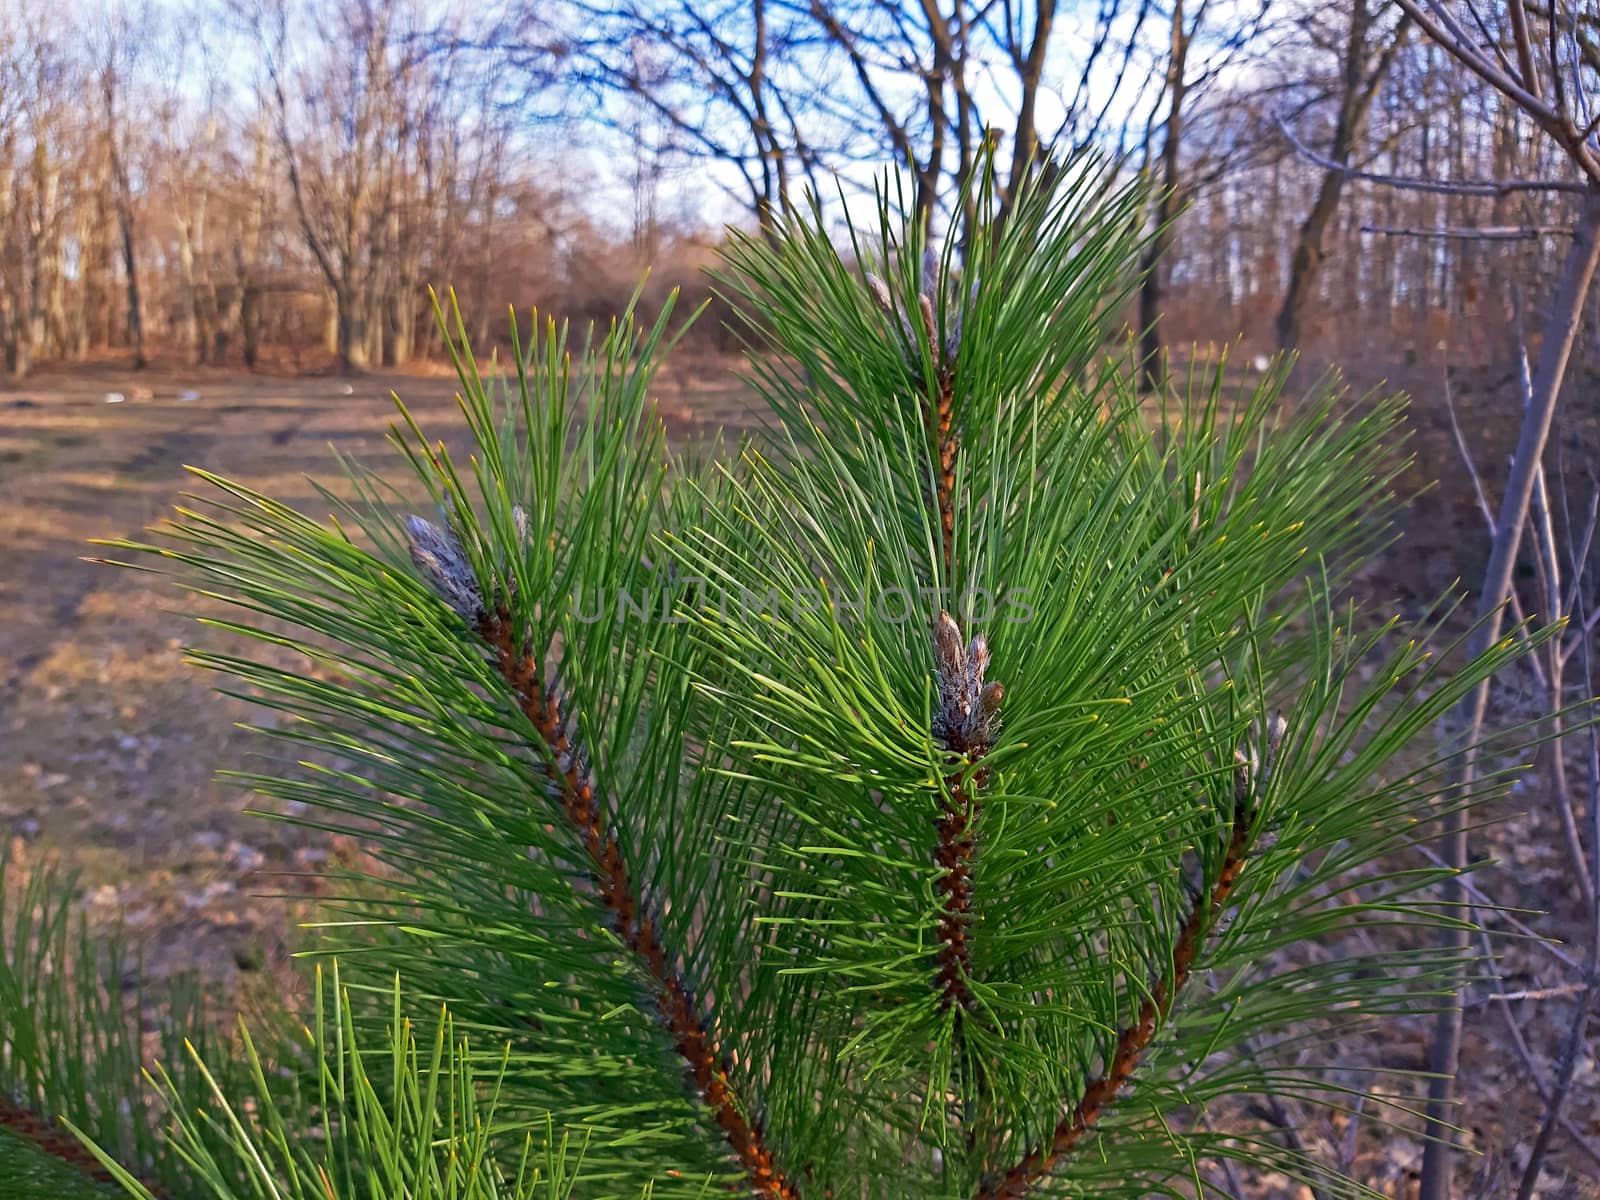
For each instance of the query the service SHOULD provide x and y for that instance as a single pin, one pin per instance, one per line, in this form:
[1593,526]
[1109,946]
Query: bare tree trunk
[1168,205]
[45,256]
[247,256]
[350,331]
[332,335]
[1306,264]
[130,265]
[122,199]
[250,325]
[1355,99]
[188,323]
[1561,331]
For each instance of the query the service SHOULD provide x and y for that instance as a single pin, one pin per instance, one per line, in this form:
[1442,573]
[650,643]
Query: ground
[110,744]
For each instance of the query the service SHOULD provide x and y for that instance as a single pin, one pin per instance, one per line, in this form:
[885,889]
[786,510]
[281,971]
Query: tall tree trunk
[130,265]
[1355,99]
[188,323]
[122,190]
[250,324]
[45,248]
[1168,205]
[350,326]
[247,255]
[333,325]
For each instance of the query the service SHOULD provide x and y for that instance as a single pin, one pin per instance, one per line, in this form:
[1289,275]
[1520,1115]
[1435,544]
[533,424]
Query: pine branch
[763,810]
[1133,1040]
[438,554]
[968,715]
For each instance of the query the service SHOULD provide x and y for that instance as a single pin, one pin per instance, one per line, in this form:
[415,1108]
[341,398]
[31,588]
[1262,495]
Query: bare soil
[110,744]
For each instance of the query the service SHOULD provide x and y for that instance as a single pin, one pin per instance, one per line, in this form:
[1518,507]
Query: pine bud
[1243,781]
[1277,728]
[439,556]
[952,341]
[977,662]
[968,715]
[880,293]
[948,656]
[989,700]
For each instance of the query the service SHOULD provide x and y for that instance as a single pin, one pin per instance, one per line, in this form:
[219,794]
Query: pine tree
[918,801]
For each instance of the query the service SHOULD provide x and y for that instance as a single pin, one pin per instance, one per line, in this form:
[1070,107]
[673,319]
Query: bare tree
[337,120]
[941,125]
[724,78]
[1368,51]
[118,53]
[1196,56]
[789,91]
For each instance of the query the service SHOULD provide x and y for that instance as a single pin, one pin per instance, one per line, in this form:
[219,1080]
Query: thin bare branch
[1489,233]
[1443,187]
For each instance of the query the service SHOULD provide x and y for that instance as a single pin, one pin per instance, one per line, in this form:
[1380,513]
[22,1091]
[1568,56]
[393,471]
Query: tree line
[220,177]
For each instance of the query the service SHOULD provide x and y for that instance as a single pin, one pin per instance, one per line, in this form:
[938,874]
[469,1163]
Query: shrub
[919,802]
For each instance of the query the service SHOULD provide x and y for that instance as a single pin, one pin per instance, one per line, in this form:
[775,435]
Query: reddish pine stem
[956,843]
[941,422]
[698,1048]
[52,1139]
[954,855]
[1101,1092]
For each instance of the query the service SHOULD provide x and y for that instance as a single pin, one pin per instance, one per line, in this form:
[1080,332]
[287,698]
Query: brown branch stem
[1103,1091]
[941,421]
[956,844]
[697,1046]
[954,855]
[51,1139]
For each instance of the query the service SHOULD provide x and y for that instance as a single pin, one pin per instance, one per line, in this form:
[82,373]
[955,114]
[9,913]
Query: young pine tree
[928,801]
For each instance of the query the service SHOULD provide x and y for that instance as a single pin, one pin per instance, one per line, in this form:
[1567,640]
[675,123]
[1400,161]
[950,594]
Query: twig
[1549,561]
[1229,1175]
[1273,1112]
[1549,993]
[1566,315]
[1578,561]
[1518,618]
[1102,1092]
[1580,631]
[965,724]
[545,706]
[1489,233]
[1520,1043]
[1558,1096]
[1347,1152]
[1445,187]
[1522,927]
